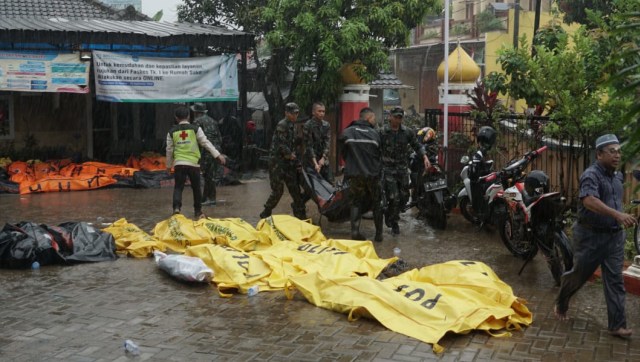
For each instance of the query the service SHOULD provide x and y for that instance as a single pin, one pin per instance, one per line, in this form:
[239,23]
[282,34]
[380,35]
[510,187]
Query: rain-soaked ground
[85,312]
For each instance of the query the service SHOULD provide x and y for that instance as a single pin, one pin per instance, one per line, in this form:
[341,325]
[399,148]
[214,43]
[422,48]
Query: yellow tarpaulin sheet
[233,232]
[232,269]
[131,240]
[178,233]
[288,258]
[420,309]
[286,227]
[286,253]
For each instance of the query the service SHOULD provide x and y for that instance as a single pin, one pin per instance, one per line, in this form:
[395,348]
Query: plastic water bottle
[131,347]
[35,265]
[253,290]
[396,251]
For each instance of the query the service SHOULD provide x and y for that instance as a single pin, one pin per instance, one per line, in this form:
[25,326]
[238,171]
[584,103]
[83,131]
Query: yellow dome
[462,68]
[349,75]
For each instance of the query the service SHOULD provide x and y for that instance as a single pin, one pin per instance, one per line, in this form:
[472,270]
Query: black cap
[397,111]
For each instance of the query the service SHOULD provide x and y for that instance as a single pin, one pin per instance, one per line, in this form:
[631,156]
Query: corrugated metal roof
[70,9]
[104,31]
[388,81]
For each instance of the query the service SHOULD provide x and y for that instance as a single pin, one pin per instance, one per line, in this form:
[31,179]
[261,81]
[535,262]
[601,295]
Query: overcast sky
[168,7]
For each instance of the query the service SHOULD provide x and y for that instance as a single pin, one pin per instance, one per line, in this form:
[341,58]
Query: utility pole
[516,24]
[536,26]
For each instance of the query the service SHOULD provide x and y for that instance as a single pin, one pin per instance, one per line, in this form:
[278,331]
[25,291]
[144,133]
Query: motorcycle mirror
[464,160]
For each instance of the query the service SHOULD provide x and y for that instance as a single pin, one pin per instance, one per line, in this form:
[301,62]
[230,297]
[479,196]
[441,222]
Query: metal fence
[564,161]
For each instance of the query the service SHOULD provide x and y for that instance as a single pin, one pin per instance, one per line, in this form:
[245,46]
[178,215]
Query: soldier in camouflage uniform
[395,139]
[283,165]
[359,145]
[208,164]
[317,140]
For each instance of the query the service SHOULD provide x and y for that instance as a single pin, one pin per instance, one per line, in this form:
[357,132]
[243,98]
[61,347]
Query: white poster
[43,72]
[129,78]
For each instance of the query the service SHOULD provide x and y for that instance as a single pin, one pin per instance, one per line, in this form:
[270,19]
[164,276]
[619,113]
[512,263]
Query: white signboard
[129,78]
[43,72]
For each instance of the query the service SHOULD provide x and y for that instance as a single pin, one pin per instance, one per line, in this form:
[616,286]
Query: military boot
[299,212]
[355,224]
[265,213]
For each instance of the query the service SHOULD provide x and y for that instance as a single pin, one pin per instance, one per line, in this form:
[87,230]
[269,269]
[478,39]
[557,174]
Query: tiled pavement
[85,312]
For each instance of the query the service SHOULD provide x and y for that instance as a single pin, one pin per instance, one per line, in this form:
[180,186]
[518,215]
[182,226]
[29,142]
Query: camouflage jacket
[283,143]
[396,147]
[317,140]
[210,128]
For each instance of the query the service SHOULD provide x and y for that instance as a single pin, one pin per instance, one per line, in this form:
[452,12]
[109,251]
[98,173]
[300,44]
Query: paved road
[85,312]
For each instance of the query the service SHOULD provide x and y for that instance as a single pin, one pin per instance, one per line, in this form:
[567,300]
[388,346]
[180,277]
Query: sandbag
[182,267]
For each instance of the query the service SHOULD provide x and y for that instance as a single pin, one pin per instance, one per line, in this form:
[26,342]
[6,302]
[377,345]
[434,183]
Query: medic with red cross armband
[183,154]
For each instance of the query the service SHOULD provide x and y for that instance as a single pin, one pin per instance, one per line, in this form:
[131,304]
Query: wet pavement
[85,312]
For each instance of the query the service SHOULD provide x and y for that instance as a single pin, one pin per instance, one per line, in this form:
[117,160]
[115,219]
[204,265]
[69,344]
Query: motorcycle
[496,205]
[429,191]
[545,220]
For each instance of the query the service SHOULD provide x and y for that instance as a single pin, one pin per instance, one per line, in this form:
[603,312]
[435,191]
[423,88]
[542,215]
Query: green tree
[625,30]
[523,72]
[312,40]
[569,83]
[577,11]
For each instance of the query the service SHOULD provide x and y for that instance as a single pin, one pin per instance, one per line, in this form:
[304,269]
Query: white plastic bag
[183,267]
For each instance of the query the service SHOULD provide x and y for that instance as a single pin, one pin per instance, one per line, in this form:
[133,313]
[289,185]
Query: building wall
[459,8]
[417,67]
[55,121]
[495,40]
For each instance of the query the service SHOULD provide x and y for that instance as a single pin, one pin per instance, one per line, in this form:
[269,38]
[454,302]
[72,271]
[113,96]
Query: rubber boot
[377,221]
[355,224]
[299,212]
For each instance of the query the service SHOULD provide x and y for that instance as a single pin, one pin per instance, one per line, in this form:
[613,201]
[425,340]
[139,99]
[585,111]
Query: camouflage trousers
[365,193]
[396,192]
[210,168]
[279,176]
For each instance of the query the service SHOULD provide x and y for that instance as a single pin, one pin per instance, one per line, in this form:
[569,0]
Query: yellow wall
[496,39]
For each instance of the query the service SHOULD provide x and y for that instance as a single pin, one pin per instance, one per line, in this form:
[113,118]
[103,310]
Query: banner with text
[127,78]
[43,72]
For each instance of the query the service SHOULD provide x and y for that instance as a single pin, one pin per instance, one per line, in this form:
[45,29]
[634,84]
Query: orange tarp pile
[64,175]
[148,162]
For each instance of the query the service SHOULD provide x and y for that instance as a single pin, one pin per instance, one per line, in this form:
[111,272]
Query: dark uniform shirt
[395,153]
[283,143]
[602,184]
